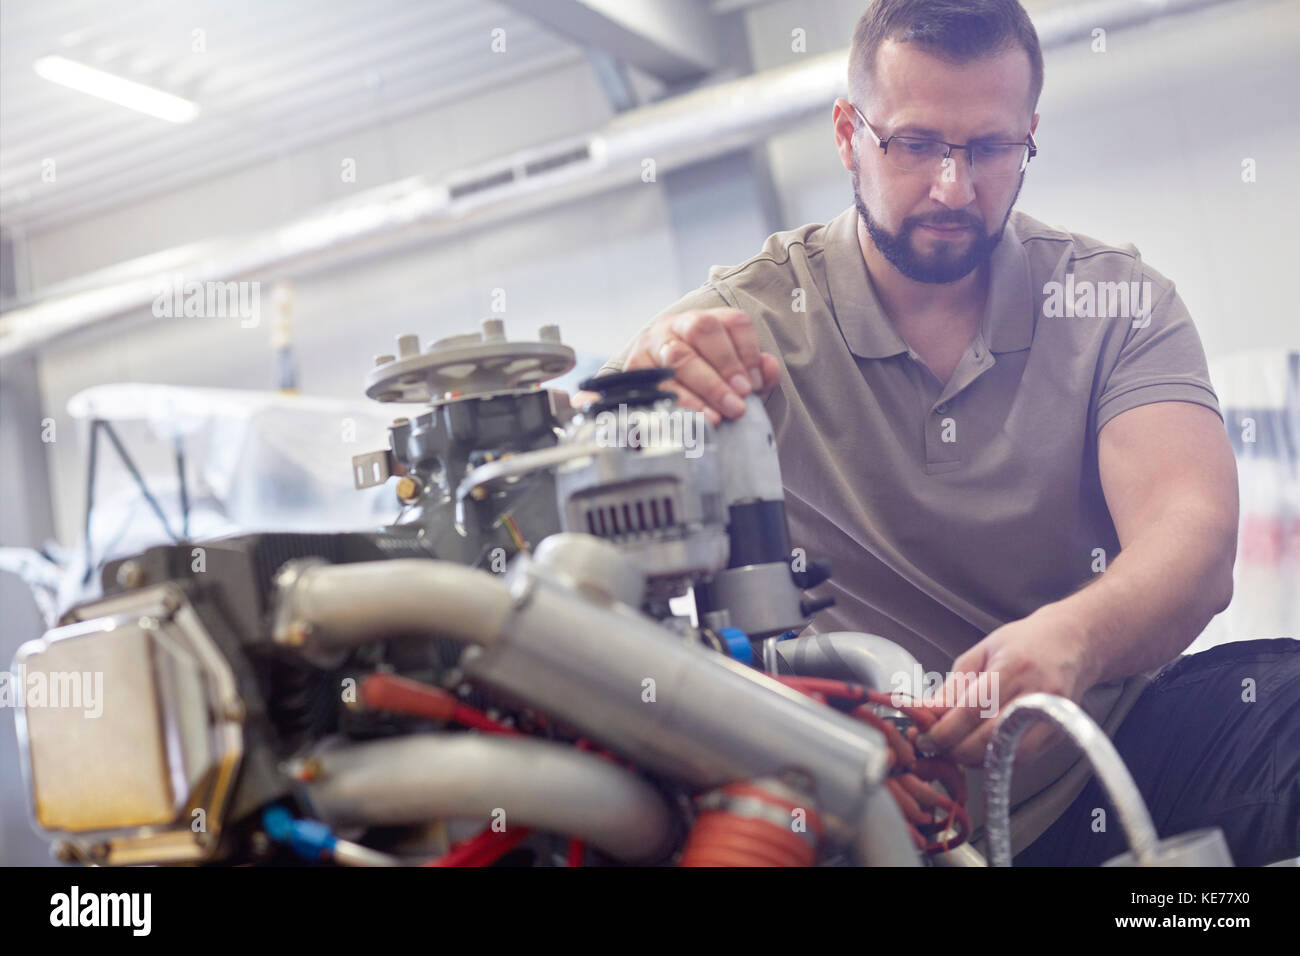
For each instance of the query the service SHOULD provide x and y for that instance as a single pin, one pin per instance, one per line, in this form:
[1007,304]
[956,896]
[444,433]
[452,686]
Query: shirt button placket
[941,455]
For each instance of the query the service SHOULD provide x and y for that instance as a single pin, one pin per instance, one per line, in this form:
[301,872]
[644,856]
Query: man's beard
[942,266]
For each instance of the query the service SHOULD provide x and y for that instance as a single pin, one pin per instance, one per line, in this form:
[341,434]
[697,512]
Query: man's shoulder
[1053,250]
[782,253]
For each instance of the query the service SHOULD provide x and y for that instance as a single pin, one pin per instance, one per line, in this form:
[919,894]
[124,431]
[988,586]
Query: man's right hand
[715,359]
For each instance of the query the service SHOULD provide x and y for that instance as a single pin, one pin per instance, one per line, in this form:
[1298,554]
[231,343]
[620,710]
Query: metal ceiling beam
[673,40]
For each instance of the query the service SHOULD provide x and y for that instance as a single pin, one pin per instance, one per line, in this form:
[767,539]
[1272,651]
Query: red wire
[577,850]
[839,689]
[902,751]
[469,717]
[483,849]
[401,695]
[908,772]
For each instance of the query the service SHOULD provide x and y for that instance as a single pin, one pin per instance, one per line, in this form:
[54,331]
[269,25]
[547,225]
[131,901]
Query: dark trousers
[1213,742]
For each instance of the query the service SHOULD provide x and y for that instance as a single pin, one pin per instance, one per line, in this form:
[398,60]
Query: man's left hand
[1047,651]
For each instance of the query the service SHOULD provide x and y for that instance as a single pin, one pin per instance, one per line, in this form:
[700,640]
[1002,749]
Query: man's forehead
[917,88]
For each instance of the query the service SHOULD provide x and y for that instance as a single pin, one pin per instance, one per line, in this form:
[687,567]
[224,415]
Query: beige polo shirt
[950,509]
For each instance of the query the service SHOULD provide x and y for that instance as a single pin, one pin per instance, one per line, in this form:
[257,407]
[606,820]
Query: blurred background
[416,166]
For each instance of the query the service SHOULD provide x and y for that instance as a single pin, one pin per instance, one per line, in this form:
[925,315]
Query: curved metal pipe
[964,855]
[325,610]
[883,838]
[878,663]
[675,709]
[1118,783]
[536,783]
[869,659]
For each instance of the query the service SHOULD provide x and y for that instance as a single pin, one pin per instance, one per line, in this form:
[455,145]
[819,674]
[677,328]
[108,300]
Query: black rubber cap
[639,387]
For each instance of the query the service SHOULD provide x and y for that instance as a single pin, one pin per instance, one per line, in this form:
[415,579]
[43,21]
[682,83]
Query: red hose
[577,852]
[752,826]
[401,695]
[483,849]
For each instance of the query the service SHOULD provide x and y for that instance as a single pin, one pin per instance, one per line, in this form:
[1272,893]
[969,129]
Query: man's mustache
[948,222]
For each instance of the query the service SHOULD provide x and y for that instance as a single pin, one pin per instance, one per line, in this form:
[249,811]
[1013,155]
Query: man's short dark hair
[956,30]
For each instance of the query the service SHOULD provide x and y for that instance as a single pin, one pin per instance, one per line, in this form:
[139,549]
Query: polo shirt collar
[1008,323]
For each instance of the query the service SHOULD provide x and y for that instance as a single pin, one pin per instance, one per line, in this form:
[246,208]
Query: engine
[576,645]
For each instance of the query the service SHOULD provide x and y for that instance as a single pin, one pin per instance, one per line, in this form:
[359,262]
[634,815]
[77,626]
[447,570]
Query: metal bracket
[372,468]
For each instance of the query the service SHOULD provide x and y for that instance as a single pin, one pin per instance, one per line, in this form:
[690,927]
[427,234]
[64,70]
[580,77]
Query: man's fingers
[971,660]
[970,752]
[711,340]
[770,371]
[640,357]
[692,402]
[962,688]
[696,375]
[950,730]
[744,338]
[714,355]
[1035,742]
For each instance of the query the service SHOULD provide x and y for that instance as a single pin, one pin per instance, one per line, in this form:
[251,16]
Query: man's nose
[954,184]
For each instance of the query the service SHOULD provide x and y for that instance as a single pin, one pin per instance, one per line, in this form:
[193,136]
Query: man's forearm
[1157,595]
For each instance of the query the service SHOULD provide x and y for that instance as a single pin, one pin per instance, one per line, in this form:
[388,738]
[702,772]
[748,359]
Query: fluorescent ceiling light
[116,89]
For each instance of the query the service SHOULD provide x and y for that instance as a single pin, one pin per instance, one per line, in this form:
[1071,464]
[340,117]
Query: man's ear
[844,121]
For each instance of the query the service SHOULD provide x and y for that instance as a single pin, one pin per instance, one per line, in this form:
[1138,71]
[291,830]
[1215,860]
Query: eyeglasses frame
[884,144]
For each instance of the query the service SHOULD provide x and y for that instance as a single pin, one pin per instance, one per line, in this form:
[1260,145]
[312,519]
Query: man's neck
[906,301]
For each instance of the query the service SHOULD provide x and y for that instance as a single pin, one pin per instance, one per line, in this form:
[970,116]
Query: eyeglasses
[913,154]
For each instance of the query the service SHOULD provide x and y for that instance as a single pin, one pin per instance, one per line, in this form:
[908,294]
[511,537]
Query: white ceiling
[276,75]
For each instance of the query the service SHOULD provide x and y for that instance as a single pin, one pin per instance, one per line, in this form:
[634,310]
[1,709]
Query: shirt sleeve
[1160,360]
[705,297]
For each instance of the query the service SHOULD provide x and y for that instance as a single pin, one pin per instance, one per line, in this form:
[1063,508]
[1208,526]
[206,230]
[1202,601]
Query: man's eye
[919,147]
[988,152]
